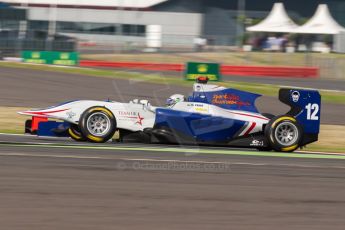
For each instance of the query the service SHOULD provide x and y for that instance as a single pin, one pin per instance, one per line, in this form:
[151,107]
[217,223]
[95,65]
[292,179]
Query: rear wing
[306,108]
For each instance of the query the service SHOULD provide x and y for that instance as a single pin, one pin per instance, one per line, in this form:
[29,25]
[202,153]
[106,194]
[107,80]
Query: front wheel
[284,133]
[97,124]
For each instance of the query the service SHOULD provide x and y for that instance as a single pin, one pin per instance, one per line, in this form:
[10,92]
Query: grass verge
[11,121]
[264,89]
[331,138]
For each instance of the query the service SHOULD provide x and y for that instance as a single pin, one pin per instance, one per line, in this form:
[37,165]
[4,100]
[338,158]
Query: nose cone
[43,112]
[33,113]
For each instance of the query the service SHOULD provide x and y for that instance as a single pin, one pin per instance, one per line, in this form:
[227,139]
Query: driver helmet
[173,99]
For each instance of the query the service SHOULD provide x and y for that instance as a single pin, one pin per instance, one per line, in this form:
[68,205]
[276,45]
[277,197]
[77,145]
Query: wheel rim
[286,133]
[98,124]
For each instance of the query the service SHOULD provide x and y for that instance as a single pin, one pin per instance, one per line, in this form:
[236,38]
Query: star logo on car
[140,120]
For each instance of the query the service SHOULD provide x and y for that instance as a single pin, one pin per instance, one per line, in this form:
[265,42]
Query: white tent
[321,23]
[277,21]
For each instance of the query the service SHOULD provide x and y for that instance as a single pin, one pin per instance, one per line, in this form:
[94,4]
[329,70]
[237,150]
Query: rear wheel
[284,133]
[97,124]
[75,133]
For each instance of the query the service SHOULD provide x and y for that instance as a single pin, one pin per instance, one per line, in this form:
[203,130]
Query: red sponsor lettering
[228,99]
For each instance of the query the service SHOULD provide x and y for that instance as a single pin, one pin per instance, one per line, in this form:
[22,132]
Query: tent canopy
[277,21]
[322,22]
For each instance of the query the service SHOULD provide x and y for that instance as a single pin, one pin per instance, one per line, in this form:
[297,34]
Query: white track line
[12,134]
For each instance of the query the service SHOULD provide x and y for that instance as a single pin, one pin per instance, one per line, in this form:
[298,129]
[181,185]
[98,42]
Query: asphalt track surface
[33,88]
[58,184]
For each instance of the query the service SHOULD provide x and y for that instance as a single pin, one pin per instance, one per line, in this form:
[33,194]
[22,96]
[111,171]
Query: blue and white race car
[212,115]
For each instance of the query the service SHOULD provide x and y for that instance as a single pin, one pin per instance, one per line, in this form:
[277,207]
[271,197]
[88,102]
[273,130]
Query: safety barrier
[270,71]
[134,65]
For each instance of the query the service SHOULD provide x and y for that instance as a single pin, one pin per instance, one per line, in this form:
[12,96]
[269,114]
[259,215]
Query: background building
[128,22]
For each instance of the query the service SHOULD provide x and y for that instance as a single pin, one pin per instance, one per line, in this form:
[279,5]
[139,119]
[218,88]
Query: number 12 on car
[312,111]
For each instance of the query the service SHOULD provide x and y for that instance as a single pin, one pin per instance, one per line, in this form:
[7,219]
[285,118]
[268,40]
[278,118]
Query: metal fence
[330,67]
[13,47]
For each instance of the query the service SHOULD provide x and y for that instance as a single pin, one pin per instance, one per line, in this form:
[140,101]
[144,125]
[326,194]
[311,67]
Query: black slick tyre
[97,124]
[284,133]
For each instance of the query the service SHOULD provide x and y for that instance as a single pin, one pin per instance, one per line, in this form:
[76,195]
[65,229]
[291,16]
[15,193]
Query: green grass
[331,138]
[336,98]
[20,130]
[11,121]
[329,148]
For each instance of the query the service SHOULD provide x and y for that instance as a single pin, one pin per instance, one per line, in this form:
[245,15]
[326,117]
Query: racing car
[211,115]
